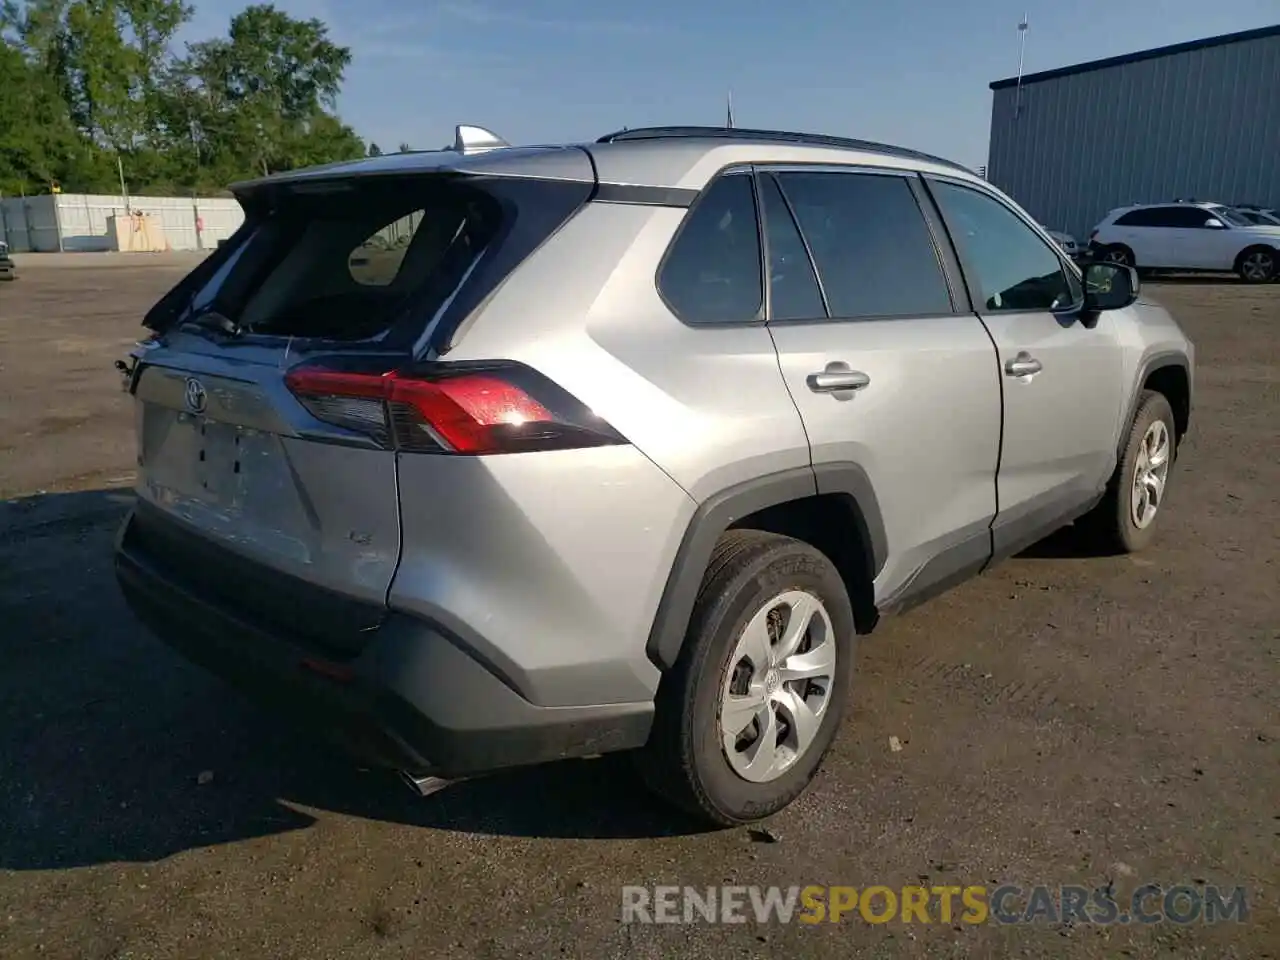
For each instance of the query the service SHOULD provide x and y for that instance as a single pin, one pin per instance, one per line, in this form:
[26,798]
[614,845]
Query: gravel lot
[1063,720]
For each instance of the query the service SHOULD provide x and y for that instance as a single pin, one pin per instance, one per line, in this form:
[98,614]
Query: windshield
[1233,217]
[1258,218]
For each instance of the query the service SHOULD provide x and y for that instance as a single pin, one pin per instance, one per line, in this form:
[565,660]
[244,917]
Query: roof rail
[780,136]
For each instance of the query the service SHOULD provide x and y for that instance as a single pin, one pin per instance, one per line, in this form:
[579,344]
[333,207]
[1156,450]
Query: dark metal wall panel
[1203,124]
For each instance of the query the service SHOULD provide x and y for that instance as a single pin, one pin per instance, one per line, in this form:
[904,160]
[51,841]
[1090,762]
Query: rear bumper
[7,271]
[413,699]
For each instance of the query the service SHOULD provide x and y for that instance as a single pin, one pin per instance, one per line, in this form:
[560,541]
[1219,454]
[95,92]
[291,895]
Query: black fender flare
[1157,361]
[721,510]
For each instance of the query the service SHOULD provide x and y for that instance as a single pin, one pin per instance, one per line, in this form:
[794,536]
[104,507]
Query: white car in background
[1259,216]
[1190,237]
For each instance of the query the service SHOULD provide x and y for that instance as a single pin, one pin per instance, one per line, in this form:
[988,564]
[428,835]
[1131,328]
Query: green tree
[38,143]
[84,82]
[266,91]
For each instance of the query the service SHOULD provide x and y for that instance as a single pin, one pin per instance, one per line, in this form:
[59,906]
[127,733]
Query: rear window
[350,260]
[377,261]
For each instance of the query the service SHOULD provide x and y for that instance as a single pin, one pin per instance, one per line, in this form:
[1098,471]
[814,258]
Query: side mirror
[1213,223]
[1109,286]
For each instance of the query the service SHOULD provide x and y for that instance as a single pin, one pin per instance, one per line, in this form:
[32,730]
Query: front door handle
[837,377]
[1023,365]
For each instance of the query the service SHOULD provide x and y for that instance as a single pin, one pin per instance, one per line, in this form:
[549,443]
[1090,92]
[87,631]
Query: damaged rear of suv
[324,514]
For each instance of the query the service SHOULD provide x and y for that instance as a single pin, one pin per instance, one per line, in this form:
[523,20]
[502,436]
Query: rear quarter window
[712,272]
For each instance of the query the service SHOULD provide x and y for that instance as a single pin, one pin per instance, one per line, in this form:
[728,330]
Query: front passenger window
[1014,269]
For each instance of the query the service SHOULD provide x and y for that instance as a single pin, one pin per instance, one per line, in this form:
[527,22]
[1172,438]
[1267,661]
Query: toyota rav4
[492,456]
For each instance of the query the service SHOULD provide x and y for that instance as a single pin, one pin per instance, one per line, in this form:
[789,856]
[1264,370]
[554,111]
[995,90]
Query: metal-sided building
[1194,120]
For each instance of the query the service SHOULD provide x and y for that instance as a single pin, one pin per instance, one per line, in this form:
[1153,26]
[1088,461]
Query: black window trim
[761,174]
[967,269]
[961,296]
[947,263]
[737,168]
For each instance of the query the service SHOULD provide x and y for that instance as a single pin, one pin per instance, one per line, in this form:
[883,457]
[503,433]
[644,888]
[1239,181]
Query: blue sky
[912,73]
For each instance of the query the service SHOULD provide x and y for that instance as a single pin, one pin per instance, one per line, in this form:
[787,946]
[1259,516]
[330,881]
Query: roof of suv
[1198,204]
[675,157]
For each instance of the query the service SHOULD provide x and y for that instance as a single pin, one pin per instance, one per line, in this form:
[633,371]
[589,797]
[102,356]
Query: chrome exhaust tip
[425,786]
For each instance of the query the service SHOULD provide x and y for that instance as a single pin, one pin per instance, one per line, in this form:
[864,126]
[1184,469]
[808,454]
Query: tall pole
[729,111]
[124,191]
[1022,51]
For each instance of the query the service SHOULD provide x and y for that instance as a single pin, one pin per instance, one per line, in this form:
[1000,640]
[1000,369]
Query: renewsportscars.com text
[1005,904]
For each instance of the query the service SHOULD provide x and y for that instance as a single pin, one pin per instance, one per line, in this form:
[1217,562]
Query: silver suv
[494,456]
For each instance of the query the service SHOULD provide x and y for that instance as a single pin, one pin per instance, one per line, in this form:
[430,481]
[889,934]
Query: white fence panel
[220,217]
[78,222]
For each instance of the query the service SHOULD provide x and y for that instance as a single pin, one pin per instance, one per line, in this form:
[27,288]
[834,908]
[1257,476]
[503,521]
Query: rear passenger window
[1138,218]
[793,288]
[712,273]
[872,247]
[1150,217]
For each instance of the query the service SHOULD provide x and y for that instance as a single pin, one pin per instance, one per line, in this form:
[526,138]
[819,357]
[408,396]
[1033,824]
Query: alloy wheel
[1150,475]
[1258,266]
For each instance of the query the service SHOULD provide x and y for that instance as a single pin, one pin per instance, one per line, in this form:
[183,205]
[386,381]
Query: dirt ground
[1063,720]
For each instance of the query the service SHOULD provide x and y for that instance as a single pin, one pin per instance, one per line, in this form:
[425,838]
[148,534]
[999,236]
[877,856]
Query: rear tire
[1117,524]
[1257,265]
[753,589]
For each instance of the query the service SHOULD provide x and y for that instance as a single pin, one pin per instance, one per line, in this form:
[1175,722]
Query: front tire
[750,709]
[1257,265]
[1125,520]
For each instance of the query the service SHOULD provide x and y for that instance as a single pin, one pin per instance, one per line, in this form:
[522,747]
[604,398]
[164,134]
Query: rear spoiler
[468,141]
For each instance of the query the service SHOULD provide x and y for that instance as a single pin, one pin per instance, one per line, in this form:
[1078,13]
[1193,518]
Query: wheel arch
[1107,247]
[1272,248]
[1167,373]
[834,504]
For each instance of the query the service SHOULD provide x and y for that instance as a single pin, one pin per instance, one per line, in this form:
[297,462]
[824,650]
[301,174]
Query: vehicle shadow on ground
[1067,543]
[113,748]
[1193,279]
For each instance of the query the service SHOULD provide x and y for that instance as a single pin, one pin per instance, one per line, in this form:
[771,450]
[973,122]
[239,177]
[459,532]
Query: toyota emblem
[196,397]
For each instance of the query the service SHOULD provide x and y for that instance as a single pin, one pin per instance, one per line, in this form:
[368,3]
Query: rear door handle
[1023,365]
[837,377]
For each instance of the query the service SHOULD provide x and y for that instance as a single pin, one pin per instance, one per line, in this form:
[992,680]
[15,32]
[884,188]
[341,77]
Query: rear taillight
[456,408]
